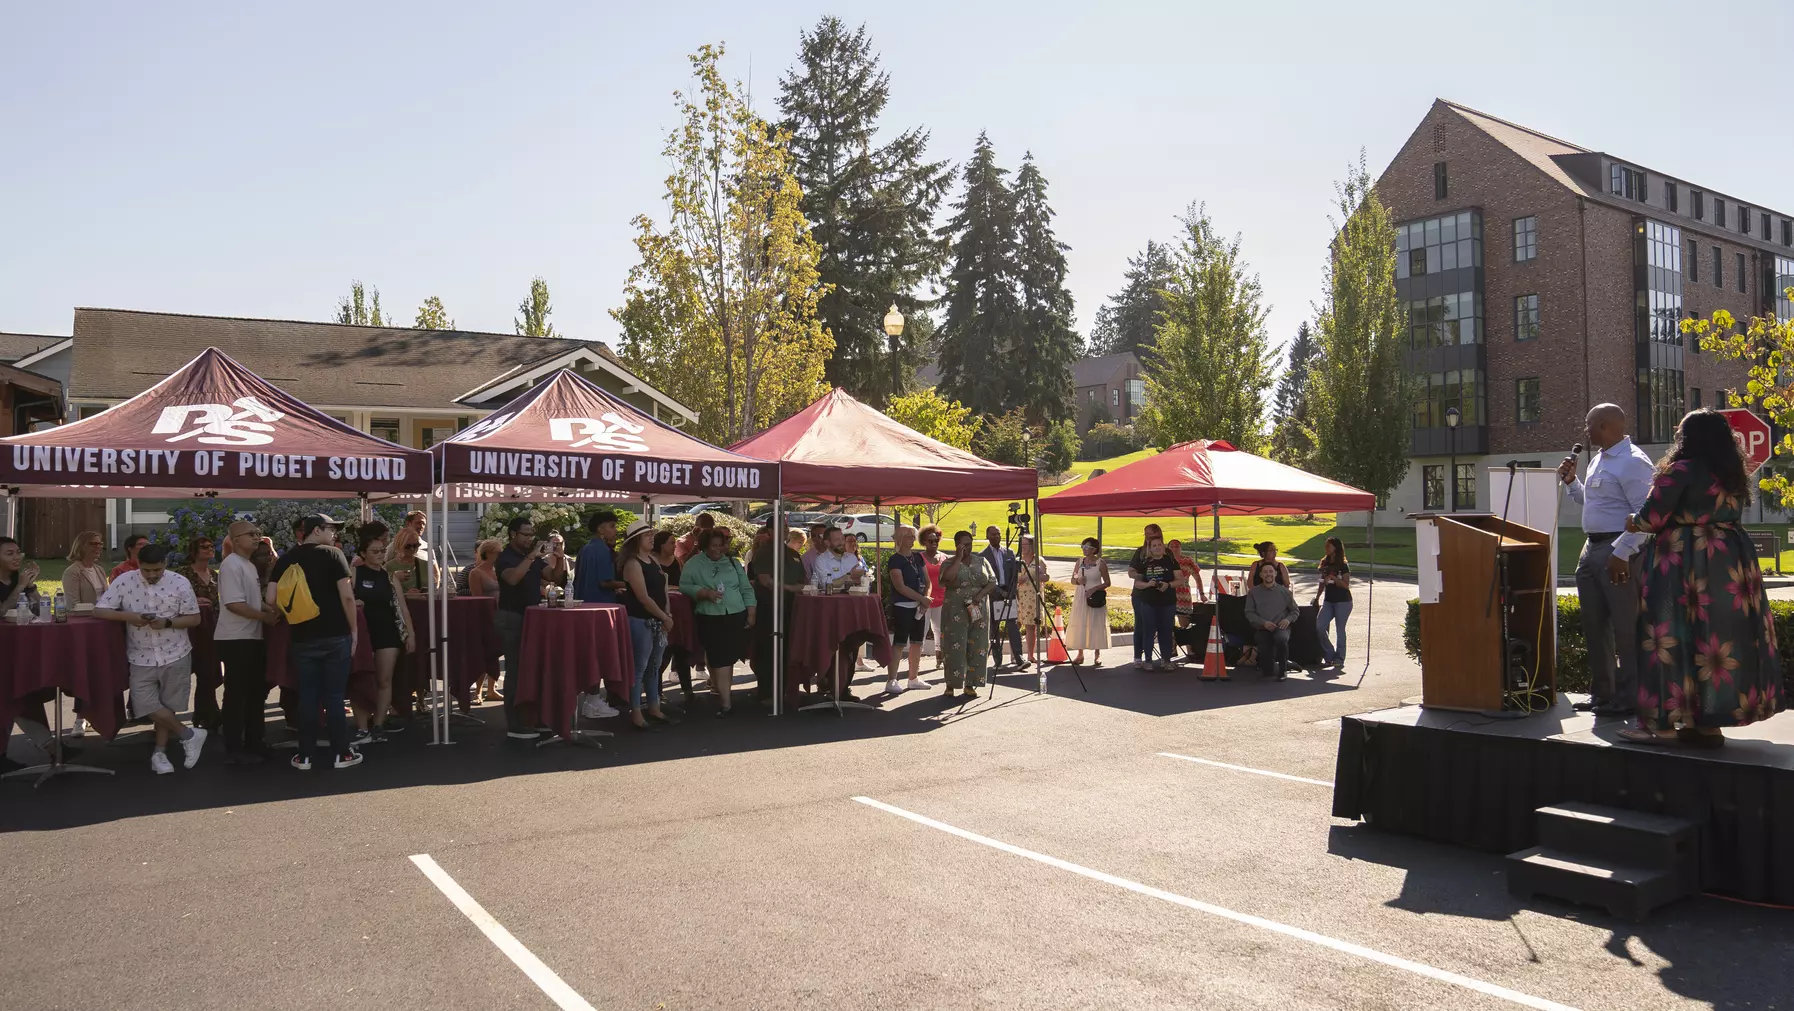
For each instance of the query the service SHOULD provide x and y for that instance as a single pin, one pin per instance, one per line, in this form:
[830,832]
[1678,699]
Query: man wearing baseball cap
[322,647]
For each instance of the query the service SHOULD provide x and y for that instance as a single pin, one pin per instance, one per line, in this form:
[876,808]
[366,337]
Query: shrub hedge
[1572,648]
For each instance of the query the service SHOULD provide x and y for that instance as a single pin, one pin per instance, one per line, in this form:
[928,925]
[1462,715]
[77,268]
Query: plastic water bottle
[59,608]
[43,609]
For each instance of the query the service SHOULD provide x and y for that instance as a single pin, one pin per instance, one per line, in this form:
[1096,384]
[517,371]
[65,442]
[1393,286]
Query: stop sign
[1752,434]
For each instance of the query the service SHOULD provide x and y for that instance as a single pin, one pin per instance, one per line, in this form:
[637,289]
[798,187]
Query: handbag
[1097,599]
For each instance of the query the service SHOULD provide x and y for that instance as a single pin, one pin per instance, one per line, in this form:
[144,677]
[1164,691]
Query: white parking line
[557,990]
[1346,947]
[1242,768]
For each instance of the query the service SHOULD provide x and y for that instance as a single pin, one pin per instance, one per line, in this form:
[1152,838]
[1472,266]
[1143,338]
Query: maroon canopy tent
[1203,477]
[213,428]
[839,450]
[568,440]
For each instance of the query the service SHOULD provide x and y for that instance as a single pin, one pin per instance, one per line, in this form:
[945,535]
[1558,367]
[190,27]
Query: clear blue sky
[250,159]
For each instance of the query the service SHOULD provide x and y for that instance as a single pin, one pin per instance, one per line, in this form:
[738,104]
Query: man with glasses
[242,614]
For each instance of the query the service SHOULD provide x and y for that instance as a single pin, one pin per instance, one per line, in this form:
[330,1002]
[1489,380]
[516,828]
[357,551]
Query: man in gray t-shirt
[242,614]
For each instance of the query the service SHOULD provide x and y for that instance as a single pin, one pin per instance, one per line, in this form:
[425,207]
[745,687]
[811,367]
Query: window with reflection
[1784,279]
[1526,239]
[1627,182]
[1432,486]
[1441,245]
[1526,318]
[1658,258]
[1437,392]
[1438,244]
[1526,400]
[1662,249]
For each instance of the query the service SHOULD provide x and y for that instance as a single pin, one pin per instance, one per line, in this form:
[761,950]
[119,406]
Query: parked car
[870,528]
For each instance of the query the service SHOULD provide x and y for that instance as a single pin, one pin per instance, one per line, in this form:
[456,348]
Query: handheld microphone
[1576,449]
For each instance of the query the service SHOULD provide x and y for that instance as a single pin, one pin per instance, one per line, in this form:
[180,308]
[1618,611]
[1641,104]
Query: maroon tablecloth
[827,627]
[567,650]
[473,646]
[362,687]
[685,630]
[84,657]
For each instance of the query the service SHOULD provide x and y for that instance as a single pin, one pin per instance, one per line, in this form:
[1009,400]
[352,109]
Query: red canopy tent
[212,428]
[1206,476]
[839,450]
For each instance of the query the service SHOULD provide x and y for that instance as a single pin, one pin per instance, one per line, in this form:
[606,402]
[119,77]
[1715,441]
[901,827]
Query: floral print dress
[1708,653]
[966,642]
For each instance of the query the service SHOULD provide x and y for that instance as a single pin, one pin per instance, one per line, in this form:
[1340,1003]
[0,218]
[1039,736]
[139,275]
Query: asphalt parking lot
[1023,851]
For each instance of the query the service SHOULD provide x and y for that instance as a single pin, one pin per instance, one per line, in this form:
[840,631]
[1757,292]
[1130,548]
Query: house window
[1432,486]
[1693,261]
[1466,487]
[1526,318]
[1719,211]
[1627,182]
[1114,398]
[1694,398]
[1670,196]
[1699,200]
[1526,400]
[384,428]
[1718,267]
[1743,275]
[1526,238]
[1136,395]
[1440,189]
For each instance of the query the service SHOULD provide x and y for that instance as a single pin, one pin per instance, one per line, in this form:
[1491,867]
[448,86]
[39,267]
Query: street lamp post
[1451,422]
[894,330]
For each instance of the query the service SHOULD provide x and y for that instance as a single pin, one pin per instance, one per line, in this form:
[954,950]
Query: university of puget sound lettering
[93,460]
[579,467]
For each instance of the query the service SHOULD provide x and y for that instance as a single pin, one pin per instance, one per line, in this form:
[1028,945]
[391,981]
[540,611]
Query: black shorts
[908,624]
[724,638]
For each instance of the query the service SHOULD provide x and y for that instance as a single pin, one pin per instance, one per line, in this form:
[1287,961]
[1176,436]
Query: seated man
[1271,609]
[157,607]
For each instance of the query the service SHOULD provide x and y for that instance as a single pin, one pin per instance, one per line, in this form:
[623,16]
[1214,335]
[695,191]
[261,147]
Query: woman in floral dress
[966,616]
[1708,657]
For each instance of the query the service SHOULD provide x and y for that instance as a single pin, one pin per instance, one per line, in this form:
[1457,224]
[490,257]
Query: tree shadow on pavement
[1120,686]
[1729,954]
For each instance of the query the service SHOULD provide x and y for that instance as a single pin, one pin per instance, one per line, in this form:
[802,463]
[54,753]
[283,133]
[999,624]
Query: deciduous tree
[937,417]
[361,306]
[535,309]
[432,316]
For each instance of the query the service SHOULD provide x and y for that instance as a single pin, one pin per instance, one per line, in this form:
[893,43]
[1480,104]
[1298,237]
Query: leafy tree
[1004,439]
[1359,390]
[361,306]
[1045,343]
[1289,408]
[432,316]
[1766,345]
[1130,319]
[721,312]
[535,309]
[935,416]
[981,299]
[1105,440]
[1059,446]
[870,208]
[1211,367]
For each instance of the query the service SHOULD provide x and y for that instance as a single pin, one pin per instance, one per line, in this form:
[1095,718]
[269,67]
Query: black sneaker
[523,735]
[394,726]
[377,735]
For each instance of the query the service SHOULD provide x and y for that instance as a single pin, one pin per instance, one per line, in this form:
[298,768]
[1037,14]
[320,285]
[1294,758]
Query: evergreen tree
[1289,408]
[1128,321]
[870,208]
[535,309]
[1211,366]
[1359,388]
[981,302]
[432,316]
[1045,343]
[361,306]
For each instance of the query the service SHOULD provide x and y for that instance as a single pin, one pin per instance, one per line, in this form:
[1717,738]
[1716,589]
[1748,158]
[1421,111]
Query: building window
[1438,392]
[1743,274]
[1526,400]
[1660,389]
[1114,398]
[1719,211]
[1432,486]
[1698,201]
[1744,220]
[1766,232]
[1440,189]
[1136,395]
[1694,398]
[1693,261]
[1526,238]
[1466,487]
[1718,267]
[1090,395]
[384,428]
[1628,183]
[1658,278]
[1526,318]
[1787,232]
[1670,196]
[1784,279]
[1439,245]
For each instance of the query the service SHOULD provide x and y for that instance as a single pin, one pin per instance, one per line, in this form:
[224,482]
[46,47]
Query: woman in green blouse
[723,608]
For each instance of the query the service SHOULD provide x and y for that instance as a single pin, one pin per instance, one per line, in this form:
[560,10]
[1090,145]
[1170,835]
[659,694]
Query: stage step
[1631,838]
[1628,892]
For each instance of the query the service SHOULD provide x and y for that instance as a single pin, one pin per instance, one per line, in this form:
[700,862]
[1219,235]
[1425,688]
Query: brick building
[1541,278]
[1107,388]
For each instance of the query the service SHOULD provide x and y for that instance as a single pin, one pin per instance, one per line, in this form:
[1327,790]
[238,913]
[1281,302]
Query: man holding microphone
[1613,490]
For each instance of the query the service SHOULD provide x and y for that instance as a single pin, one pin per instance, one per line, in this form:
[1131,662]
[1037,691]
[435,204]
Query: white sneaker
[864,665]
[353,758]
[918,685]
[190,747]
[594,707]
[76,729]
[159,763]
[360,737]
[893,687]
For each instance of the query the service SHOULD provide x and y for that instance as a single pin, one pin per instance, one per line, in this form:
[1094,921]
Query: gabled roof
[597,355]
[1539,149]
[1100,369]
[14,346]
[119,353]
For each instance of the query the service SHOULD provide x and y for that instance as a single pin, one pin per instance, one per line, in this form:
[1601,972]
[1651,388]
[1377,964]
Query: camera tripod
[1019,521]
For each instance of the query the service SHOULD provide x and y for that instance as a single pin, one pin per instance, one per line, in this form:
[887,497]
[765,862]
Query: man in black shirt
[760,569]
[519,568]
[1002,599]
[322,648]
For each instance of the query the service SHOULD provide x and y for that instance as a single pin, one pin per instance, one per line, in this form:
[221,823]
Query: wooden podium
[1488,586]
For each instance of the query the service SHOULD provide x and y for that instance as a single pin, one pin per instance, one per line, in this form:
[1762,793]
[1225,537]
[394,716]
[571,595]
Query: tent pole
[1370,593]
[778,601]
[436,525]
[429,628]
[1215,574]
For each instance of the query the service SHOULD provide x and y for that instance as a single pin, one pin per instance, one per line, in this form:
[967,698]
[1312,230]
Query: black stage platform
[1470,780]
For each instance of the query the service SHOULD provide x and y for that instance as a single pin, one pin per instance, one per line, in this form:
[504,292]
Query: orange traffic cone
[1214,663]
[1056,645]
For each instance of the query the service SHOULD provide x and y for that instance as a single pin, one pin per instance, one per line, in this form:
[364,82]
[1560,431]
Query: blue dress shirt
[1615,487]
